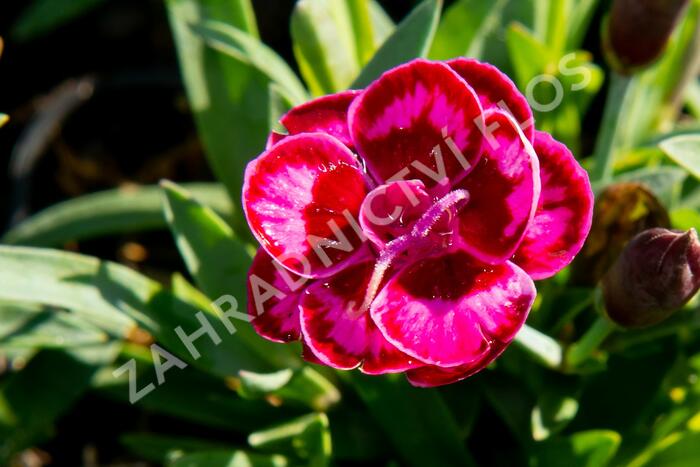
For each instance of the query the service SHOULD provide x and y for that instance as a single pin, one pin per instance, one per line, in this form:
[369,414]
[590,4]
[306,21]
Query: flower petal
[399,120]
[431,376]
[563,218]
[327,114]
[301,199]
[503,191]
[273,299]
[453,310]
[341,336]
[495,90]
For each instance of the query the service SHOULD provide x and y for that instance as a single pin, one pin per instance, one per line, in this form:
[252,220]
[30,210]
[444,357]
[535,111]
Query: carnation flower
[402,225]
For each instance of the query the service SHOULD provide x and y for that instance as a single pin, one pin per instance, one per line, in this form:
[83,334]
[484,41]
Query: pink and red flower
[402,225]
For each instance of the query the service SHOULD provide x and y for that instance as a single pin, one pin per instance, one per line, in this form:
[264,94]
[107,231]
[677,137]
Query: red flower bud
[638,30]
[657,273]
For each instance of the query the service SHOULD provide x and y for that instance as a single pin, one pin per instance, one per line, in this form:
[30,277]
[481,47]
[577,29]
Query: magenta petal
[327,114]
[503,191]
[273,299]
[390,210]
[431,376]
[302,198]
[452,310]
[496,91]
[341,336]
[417,121]
[564,214]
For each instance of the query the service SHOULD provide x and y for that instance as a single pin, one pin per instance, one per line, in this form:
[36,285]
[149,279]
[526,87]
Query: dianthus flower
[402,225]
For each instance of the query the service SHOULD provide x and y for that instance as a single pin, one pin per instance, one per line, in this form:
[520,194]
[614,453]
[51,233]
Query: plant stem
[589,342]
[609,135]
[543,348]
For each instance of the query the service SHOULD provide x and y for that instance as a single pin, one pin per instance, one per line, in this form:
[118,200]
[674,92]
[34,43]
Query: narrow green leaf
[464,28]
[245,48]
[418,422]
[579,22]
[116,298]
[31,326]
[43,16]
[594,448]
[32,399]
[685,219]
[529,56]
[219,262]
[685,151]
[382,24]
[124,210]
[540,346]
[307,438]
[216,404]
[223,458]
[363,29]
[304,386]
[159,448]
[411,39]
[665,182]
[324,44]
[222,90]
[692,99]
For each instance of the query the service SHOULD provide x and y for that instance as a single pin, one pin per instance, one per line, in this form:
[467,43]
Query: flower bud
[657,273]
[621,211]
[638,30]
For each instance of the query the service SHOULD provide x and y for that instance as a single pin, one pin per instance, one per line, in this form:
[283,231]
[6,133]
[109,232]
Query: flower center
[419,241]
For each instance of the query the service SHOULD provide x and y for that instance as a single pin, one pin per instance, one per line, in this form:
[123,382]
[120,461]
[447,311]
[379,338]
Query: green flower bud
[637,31]
[657,273]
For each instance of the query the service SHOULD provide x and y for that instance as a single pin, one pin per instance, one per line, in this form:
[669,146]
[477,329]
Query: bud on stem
[657,273]
[638,30]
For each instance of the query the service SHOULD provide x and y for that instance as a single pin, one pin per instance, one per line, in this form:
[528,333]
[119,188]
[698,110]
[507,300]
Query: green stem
[589,342]
[609,135]
[543,348]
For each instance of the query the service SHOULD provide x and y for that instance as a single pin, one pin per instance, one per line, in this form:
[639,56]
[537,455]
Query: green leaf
[665,182]
[43,16]
[363,29]
[115,298]
[222,90]
[530,57]
[4,118]
[245,48]
[594,448]
[685,219]
[223,458]
[685,151]
[160,448]
[216,405]
[123,210]
[540,346]
[465,27]
[382,24]
[579,22]
[411,39]
[305,386]
[31,326]
[417,421]
[692,98]
[307,438]
[219,262]
[324,44]
[556,406]
[32,399]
